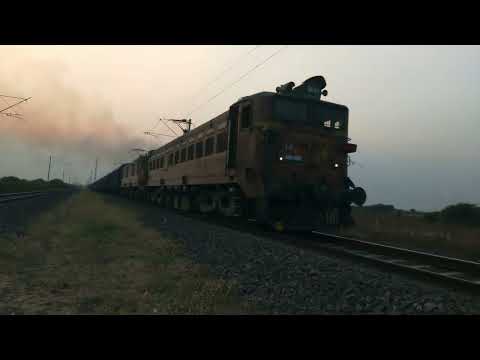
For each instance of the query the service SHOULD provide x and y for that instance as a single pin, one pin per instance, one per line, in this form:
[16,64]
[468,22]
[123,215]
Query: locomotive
[278,157]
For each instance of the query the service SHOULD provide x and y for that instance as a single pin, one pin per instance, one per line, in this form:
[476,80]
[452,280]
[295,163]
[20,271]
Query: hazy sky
[414,110]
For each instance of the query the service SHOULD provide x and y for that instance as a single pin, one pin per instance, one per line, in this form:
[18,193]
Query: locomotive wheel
[185,202]
[160,200]
[152,197]
[168,201]
[206,203]
[226,204]
[262,211]
[176,201]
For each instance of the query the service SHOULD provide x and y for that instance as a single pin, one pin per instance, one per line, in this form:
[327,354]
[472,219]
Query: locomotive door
[232,137]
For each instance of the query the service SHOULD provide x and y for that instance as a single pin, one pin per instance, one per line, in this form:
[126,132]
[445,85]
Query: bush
[11,184]
[433,217]
[381,208]
[463,213]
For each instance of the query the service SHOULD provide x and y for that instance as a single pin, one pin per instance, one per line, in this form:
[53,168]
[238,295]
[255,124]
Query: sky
[414,110]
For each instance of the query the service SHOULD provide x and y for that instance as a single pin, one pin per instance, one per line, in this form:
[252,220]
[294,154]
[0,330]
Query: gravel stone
[283,279]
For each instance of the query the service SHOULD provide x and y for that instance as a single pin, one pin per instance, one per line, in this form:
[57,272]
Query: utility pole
[63,175]
[49,164]
[96,166]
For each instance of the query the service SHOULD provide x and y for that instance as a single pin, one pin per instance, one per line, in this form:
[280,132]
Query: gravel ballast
[277,278]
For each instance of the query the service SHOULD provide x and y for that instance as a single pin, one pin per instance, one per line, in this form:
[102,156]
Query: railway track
[10,197]
[456,272]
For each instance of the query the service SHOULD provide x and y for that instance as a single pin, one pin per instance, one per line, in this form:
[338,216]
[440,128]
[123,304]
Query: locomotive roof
[223,118]
[272,94]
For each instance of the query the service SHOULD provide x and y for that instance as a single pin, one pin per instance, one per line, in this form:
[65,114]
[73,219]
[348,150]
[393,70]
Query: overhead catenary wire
[232,65]
[12,97]
[236,81]
[17,103]
[226,87]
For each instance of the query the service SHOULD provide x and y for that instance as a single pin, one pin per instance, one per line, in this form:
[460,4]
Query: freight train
[278,157]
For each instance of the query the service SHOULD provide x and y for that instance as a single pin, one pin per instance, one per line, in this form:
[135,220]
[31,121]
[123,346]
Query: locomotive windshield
[310,113]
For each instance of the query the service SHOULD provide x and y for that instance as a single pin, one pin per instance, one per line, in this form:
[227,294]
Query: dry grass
[416,233]
[90,257]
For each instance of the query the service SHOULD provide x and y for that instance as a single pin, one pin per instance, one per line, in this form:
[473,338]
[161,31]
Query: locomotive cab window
[209,146]
[293,153]
[246,117]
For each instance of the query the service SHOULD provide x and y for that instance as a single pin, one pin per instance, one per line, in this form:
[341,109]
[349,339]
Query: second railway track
[9,197]
[454,271]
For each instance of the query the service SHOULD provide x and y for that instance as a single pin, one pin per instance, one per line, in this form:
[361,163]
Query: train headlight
[336,165]
[281,158]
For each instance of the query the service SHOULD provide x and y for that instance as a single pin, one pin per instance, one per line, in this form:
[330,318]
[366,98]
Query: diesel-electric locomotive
[278,157]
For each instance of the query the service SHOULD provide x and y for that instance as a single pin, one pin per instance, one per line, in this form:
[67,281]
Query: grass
[88,256]
[415,232]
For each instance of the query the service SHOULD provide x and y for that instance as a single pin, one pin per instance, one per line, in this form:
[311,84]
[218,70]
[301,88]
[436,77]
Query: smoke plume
[59,118]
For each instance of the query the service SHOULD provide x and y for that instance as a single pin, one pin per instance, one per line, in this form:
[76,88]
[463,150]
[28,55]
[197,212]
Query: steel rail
[453,270]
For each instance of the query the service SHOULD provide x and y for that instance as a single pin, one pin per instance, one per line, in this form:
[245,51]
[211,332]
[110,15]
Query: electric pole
[96,166]
[49,164]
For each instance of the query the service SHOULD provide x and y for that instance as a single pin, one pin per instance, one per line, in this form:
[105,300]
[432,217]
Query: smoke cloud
[59,118]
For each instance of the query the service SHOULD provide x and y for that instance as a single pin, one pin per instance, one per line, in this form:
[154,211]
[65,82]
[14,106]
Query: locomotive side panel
[197,158]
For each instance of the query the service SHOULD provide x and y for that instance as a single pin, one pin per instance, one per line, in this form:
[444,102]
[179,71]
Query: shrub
[10,184]
[433,217]
[462,213]
[382,208]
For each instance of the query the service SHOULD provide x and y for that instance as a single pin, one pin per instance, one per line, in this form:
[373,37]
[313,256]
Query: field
[87,256]
[414,232]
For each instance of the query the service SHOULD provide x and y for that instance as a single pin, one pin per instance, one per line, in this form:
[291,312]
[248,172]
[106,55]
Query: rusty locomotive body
[280,158]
